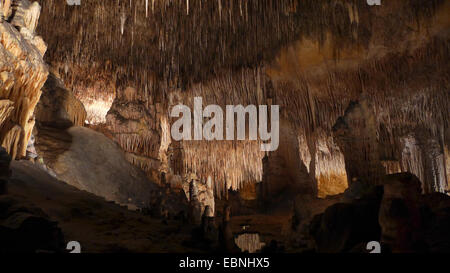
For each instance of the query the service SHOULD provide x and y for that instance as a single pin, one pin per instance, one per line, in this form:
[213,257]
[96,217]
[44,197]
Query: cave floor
[98,225]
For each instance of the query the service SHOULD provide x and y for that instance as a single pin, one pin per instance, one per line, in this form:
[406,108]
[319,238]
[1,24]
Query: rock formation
[356,134]
[58,107]
[103,171]
[135,126]
[195,209]
[226,237]
[394,213]
[24,72]
[337,52]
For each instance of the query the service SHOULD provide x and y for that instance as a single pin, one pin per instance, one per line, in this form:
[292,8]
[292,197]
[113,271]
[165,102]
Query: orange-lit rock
[24,72]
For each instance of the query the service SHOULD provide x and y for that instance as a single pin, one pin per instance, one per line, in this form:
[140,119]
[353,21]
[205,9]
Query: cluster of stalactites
[230,164]
[183,42]
[209,42]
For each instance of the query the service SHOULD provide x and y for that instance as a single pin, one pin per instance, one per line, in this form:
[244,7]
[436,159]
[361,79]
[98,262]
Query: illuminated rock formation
[200,196]
[424,156]
[23,74]
[330,172]
[26,17]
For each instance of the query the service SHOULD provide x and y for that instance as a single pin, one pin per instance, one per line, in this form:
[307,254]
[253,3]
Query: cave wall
[23,73]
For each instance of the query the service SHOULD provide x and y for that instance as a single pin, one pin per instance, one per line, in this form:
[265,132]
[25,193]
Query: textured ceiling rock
[23,73]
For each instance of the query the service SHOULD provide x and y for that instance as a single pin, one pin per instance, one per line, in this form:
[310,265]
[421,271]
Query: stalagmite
[58,107]
[355,134]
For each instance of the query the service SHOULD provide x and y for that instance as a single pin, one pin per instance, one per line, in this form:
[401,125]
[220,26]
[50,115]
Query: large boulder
[92,162]
[410,221]
[399,216]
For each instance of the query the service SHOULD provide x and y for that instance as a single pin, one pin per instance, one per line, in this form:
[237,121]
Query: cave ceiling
[313,58]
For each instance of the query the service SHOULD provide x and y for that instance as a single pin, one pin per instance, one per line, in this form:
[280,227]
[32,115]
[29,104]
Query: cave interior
[361,128]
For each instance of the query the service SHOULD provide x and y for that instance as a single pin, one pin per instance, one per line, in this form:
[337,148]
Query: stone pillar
[355,134]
